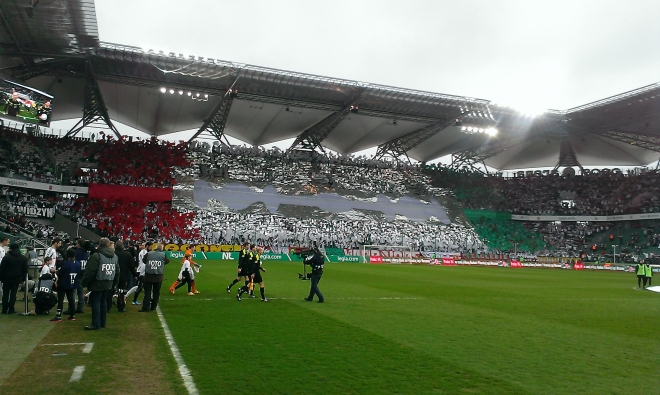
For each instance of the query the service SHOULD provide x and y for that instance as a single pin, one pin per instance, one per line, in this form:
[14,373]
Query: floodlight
[180,92]
[206,96]
[171,91]
[163,90]
[196,94]
[189,93]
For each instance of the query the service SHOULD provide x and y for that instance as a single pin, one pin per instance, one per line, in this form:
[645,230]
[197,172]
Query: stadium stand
[162,164]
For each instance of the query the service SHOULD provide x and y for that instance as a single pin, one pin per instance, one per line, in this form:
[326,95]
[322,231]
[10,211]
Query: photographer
[316,263]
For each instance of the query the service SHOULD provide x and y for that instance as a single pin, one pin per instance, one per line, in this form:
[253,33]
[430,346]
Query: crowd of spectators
[136,162]
[40,158]
[130,220]
[159,163]
[309,173]
[296,171]
[13,199]
[347,231]
[602,193]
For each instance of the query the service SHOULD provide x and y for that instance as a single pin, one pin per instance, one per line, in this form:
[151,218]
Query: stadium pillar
[215,123]
[95,114]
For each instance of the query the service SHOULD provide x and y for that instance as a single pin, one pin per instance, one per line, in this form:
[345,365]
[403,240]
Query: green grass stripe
[420,329]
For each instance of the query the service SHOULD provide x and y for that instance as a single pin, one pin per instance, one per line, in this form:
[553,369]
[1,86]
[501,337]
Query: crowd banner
[203,256]
[515,263]
[344,258]
[201,247]
[578,266]
[136,194]
[43,186]
[225,256]
[375,259]
[275,257]
[448,262]
[31,210]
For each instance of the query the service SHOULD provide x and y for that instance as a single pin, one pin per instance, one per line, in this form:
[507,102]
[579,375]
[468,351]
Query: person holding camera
[316,263]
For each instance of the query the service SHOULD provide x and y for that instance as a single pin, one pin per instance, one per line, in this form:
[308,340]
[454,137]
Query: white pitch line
[183,369]
[88,348]
[77,373]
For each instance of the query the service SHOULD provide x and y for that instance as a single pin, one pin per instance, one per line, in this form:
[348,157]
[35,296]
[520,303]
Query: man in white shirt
[52,252]
[4,242]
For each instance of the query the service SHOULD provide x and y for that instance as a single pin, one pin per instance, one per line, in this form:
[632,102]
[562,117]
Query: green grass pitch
[400,329]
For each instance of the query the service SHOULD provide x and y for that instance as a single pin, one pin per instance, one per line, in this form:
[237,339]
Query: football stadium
[473,249]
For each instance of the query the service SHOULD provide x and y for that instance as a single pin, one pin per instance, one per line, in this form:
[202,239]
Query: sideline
[183,369]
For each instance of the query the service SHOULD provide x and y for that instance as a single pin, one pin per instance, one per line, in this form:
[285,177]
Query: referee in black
[243,257]
[316,263]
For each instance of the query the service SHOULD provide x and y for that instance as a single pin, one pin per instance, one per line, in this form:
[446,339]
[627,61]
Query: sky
[530,55]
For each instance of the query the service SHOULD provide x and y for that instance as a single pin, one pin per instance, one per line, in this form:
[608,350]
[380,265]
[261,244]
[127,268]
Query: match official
[154,270]
[316,263]
[101,277]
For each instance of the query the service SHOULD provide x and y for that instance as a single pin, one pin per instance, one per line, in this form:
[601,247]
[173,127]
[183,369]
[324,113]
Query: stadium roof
[267,105]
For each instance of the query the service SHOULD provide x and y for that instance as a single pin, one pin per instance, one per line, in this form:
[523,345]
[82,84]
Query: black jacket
[89,280]
[13,268]
[316,262]
[126,264]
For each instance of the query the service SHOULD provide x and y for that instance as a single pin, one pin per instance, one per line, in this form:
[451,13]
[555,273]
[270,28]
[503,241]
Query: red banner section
[578,266]
[448,262]
[515,263]
[135,194]
[375,259]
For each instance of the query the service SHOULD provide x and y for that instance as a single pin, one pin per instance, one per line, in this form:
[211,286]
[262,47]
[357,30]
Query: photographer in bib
[101,277]
[154,268]
[315,261]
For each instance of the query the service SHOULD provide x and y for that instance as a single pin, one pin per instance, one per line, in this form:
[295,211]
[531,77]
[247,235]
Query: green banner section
[202,256]
[475,215]
[226,256]
[344,258]
[233,256]
[275,257]
[334,251]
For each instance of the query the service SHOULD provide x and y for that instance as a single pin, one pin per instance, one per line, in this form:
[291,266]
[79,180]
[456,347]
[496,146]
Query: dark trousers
[69,298]
[314,289]
[140,285]
[151,295]
[81,298]
[98,300]
[185,279]
[641,281]
[122,287]
[9,297]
